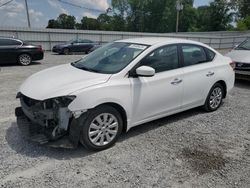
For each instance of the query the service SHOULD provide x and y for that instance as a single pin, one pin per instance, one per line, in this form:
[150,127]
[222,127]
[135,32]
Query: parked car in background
[18,51]
[78,45]
[119,86]
[241,56]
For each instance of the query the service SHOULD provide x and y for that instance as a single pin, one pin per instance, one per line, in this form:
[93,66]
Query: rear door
[85,45]
[198,74]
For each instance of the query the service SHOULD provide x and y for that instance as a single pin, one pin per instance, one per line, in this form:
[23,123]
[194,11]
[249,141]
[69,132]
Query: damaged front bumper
[48,122]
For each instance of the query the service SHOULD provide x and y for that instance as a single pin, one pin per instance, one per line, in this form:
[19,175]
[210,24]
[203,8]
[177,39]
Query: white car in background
[241,56]
[121,85]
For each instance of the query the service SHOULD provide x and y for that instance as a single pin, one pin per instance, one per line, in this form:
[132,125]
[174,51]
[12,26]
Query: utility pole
[179,7]
[27,11]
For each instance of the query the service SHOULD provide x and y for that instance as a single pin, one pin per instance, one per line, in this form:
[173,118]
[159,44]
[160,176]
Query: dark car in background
[14,50]
[77,45]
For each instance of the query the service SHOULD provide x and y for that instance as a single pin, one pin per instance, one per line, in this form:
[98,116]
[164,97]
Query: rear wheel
[66,51]
[214,98]
[102,128]
[24,59]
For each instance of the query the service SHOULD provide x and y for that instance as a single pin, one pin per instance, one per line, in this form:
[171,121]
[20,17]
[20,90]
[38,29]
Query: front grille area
[242,66]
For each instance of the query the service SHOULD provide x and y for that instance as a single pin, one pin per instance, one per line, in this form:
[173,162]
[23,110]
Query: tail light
[233,65]
[40,48]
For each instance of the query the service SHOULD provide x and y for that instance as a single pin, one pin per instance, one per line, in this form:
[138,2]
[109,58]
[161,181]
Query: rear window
[210,55]
[84,41]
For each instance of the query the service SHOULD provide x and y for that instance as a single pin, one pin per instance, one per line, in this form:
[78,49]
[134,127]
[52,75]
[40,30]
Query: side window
[14,42]
[2,43]
[162,59]
[193,54]
[84,41]
[7,42]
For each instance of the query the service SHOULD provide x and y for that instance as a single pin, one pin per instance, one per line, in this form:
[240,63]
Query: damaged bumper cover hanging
[49,122]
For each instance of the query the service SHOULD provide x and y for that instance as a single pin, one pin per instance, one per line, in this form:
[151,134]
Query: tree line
[160,16]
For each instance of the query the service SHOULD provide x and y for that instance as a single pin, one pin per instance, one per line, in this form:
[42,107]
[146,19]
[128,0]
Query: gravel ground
[190,149]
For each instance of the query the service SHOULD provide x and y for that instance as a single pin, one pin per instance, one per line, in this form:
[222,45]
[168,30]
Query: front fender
[89,98]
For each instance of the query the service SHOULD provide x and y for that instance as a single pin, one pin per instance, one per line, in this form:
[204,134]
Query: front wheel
[214,98]
[102,128]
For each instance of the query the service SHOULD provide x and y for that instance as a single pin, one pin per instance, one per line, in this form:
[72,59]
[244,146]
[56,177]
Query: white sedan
[241,55]
[119,86]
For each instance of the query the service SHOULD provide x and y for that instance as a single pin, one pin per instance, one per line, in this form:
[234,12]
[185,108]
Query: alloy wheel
[24,59]
[103,129]
[215,98]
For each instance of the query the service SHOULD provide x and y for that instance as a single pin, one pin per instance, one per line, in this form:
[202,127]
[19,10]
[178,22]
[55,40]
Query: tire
[96,135]
[24,59]
[214,98]
[66,51]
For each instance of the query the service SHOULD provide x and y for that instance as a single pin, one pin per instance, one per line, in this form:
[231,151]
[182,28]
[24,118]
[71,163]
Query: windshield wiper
[85,68]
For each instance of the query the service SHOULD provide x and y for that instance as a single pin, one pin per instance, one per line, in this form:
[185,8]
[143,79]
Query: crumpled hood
[60,81]
[242,56]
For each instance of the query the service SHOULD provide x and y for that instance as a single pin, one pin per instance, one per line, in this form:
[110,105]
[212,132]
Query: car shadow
[16,64]
[25,147]
[244,84]
[146,127]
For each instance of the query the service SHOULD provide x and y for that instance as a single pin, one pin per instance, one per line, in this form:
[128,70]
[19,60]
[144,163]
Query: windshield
[111,58]
[244,45]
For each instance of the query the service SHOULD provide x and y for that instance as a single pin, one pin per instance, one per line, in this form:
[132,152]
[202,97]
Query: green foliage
[160,16]
[244,24]
[89,24]
[63,21]
[215,17]
[188,19]
[242,6]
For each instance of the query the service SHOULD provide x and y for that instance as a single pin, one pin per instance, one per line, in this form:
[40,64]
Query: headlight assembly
[63,101]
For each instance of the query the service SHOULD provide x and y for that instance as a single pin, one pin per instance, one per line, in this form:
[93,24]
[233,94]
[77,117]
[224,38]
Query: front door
[156,96]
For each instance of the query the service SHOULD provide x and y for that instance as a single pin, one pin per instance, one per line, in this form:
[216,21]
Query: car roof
[11,38]
[157,40]
[7,37]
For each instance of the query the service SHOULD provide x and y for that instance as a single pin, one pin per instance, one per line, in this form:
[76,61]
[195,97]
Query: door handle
[176,81]
[210,73]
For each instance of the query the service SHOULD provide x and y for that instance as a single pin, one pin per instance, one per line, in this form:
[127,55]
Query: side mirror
[145,71]
[235,46]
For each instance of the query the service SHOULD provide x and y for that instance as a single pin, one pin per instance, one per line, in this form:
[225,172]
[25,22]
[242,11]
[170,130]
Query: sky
[13,14]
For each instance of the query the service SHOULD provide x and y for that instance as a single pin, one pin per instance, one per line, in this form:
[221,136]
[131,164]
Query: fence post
[50,45]
[16,34]
[100,38]
[233,41]
[220,44]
